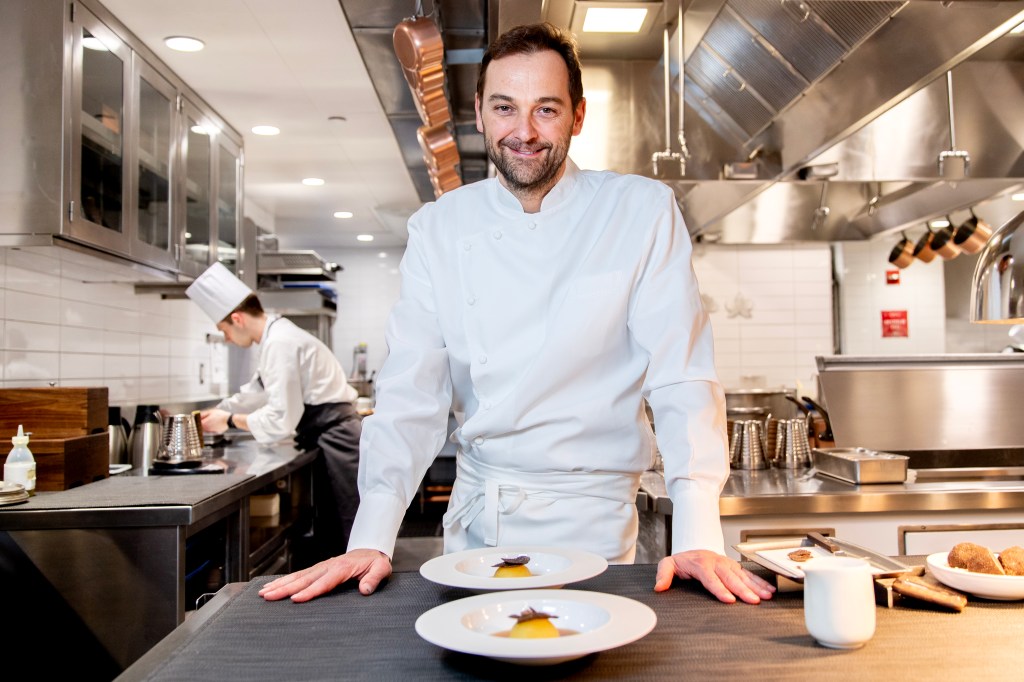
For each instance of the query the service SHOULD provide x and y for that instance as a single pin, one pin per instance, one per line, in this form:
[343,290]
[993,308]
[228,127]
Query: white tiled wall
[864,294]
[67,319]
[787,292]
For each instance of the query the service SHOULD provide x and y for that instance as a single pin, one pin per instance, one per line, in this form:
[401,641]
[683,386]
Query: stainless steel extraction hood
[778,86]
[294,266]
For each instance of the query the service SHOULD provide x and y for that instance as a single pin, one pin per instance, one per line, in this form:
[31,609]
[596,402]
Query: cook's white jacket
[295,369]
[546,330]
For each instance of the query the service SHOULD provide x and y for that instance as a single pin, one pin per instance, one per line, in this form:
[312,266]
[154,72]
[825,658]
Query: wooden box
[63,463]
[53,412]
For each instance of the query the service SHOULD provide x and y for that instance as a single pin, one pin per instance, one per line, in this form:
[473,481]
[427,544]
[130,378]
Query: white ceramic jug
[839,601]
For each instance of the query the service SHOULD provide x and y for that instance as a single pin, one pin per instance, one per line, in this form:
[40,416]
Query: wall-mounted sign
[892,276]
[894,323]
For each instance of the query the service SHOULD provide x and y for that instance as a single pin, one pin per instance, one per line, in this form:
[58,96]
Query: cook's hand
[368,565]
[215,421]
[722,576]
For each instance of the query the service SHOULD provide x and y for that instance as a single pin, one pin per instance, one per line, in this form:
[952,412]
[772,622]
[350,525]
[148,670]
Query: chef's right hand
[368,565]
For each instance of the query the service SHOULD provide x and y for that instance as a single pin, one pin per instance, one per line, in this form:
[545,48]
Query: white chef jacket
[546,330]
[295,369]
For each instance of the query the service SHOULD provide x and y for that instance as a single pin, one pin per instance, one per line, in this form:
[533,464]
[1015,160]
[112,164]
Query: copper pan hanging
[973,234]
[942,242]
[902,254]
[438,145]
[923,249]
[419,48]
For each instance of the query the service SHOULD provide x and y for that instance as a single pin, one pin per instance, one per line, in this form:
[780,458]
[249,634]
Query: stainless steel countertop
[783,491]
[250,465]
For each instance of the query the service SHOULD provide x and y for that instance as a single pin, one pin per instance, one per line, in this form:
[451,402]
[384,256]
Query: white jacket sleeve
[281,372]
[249,398]
[414,395]
[668,319]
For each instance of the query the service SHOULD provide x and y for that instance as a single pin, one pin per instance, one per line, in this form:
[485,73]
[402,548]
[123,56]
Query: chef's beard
[527,175]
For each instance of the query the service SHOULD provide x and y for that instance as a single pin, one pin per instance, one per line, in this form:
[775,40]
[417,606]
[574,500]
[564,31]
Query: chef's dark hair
[530,39]
[250,305]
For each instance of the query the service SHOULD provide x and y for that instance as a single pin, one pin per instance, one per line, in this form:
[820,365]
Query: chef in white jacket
[544,305]
[299,391]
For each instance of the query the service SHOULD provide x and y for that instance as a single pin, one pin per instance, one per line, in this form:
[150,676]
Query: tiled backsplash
[72,320]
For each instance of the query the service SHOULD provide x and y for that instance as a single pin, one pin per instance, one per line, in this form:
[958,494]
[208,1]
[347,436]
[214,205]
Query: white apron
[584,510]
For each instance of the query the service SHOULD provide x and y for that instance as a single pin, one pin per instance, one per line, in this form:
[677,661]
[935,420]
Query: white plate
[474,569]
[985,585]
[119,468]
[600,621]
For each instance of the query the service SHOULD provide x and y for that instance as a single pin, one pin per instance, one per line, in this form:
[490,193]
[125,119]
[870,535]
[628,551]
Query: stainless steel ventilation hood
[294,266]
[781,85]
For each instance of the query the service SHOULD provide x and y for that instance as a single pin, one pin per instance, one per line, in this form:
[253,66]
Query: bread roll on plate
[974,558]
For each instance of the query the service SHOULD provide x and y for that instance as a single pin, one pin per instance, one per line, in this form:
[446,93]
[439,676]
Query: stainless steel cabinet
[109,149]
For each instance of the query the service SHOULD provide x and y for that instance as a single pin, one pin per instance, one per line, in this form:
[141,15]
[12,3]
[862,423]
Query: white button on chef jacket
[581,320]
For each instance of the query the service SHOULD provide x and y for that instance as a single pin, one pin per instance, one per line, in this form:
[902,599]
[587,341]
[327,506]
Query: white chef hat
[218,292]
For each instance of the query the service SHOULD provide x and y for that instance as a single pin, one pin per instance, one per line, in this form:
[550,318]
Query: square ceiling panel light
[592,16]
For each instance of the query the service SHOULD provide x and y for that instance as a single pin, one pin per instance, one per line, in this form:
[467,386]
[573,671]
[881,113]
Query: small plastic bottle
[20,467]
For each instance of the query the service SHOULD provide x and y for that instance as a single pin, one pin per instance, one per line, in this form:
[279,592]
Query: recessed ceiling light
[1019,196]
[614,20]
[941,222]
[382,254]
[184,43]
[266,130]
[313,182]
[93,43]
[364,237]
[343,214]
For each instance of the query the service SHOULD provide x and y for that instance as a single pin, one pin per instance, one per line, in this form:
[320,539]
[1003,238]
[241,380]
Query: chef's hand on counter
[216,421]
[722,576]
[368,565]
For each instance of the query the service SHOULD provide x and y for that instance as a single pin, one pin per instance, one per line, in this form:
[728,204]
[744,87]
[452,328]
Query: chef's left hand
[722,576]
[215,421]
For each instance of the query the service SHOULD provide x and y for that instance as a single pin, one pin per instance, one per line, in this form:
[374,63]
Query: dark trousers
[334,430]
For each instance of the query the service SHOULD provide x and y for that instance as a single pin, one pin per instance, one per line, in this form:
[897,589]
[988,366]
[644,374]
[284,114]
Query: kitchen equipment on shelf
[182,445]
[860,465]
[749,443]
[973,234]
[923,250]
[147,437]
[823,436]
[117,433]
[792,448]
[942,242]
[902,254]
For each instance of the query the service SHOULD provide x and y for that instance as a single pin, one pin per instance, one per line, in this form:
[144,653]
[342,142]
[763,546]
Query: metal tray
[771,555]
[860,465]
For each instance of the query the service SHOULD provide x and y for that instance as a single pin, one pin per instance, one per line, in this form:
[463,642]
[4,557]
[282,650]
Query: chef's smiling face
[527,118]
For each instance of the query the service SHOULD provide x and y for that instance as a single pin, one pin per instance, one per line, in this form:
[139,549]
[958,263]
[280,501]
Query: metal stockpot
[973,234]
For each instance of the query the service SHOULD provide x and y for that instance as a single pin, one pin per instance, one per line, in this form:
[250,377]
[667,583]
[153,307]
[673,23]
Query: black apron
[334,429]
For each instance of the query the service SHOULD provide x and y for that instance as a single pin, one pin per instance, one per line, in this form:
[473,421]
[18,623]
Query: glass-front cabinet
[106,149]
[97,181]
[155,146]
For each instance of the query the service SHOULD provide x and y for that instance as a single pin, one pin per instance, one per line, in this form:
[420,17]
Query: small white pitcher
[839,601]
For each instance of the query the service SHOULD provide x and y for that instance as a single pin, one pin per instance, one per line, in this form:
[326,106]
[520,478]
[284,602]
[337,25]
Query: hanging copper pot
[419,48]
[942,242]
[438,145]
[902,254]
[973,234]
[923,250]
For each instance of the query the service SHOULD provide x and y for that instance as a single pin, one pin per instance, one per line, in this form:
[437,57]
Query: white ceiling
[292,64]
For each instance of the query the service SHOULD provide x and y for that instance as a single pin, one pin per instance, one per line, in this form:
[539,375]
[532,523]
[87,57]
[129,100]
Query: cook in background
[544,305]
[299,391]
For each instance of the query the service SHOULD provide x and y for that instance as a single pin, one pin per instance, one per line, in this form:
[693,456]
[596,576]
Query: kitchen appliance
[147,437]
[117,433]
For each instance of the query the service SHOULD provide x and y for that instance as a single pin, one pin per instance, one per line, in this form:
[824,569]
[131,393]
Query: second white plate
[985,585]
[590,622]
[474,569]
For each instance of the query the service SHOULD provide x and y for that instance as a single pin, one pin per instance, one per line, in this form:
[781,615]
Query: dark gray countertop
[134,499]
[345,635]
[788,491]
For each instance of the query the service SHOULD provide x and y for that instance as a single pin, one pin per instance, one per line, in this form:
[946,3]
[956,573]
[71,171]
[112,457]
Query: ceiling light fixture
[1018,29]
[343,215]
[312,182]
[940,223]
[382,254]
[184,43]
[603,16]
[364,237]
[1019,196]
[199,130]
[266,130]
